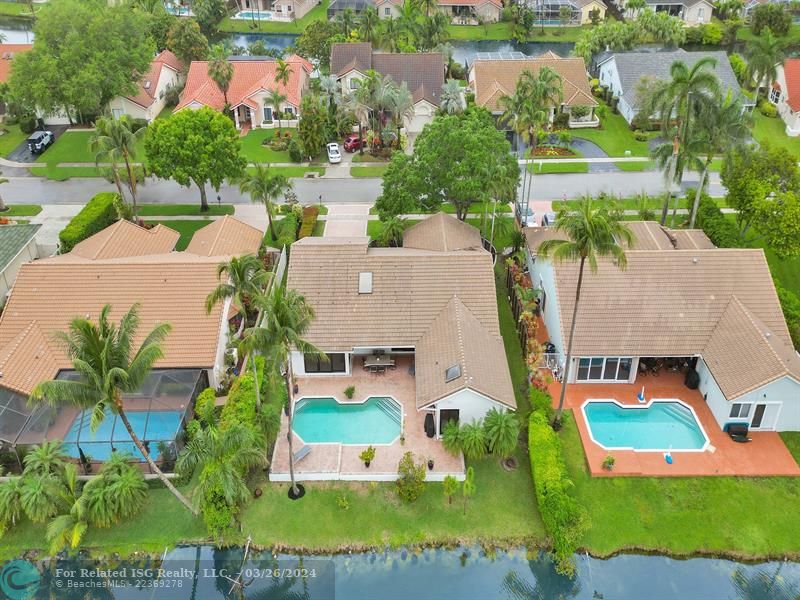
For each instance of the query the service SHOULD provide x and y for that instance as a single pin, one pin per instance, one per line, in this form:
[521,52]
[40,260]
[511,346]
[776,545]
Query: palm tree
[392,232]
[426,5]
[472,439]
[330,88]
[502,432]
[246,279]
[275,99]
[46,459]
[369,26]
[102,354]
[115,141]
[591,234]
[633,7]
[283,71]
[10,502]
[357,102]
[224,457]
[264,188]
[764,54]
[722,126]
[347,21]
[390,34]
[401,105]
[287,319]
[452,100]
[220,70]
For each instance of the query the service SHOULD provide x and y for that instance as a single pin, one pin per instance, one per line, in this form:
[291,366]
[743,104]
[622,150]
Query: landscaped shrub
[98,214]
[711,34]
[218,515]
[411,478]
[241,404]
[739,67]
[561,121]
[640,136]
[768,109]
[710,219]
[565,520]
[27,124]
[542,402]
[295,152]
[309,222]
[790,303]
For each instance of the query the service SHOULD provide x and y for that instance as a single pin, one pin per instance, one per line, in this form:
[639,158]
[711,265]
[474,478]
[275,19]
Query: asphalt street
[78,190]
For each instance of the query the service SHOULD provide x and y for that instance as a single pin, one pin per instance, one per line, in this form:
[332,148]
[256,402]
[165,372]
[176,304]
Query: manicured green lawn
[745,34]
[544,167]
[22,210]
[787,271]
[508,329]
[773,132]
[71,147]
[16,9]
[614,137]
[255,152]
[186,228]
[319,229]
[503,508]
[184,210]
[373,171]
[166,112]
[294,171]
[318,13]
[12,137]
[684,515]
[792,441]
[367,158]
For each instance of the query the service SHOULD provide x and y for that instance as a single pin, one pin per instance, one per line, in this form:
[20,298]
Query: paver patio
[341,461]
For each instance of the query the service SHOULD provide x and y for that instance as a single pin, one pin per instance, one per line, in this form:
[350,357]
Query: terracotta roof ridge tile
[763,335]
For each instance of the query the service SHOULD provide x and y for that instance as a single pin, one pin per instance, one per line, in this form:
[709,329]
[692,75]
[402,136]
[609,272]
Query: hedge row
[310,215]
[99,213]
[565,520]
[710,219]
[790,303]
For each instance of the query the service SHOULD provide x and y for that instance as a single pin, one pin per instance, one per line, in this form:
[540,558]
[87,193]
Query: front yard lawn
[293,171]
[614,136]
[22,210]
[255,152]
[186,228]
[773,132]
[184,210]
[318,13]
[63,173]
[628,166]
[684,515]
[11,138]
[544,167]
[373,171]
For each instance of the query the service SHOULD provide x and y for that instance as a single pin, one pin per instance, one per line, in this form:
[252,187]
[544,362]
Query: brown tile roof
[227,236]
[148,85]
[249,77]
[7,54]
[493,79]
[48,293]
[743,354]
[665,303]
[422,72]
[456,337]
[124,238]
[442,233]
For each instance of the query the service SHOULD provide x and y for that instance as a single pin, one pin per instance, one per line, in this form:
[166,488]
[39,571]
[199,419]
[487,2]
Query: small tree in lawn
[195,147]
[450,488]
[410,478]
[502,432]
[468,488]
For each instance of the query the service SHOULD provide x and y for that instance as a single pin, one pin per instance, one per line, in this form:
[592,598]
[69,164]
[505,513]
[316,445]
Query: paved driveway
[21,152]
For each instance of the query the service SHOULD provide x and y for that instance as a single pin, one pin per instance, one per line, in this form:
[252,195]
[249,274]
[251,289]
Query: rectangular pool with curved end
[660,426]
[377,420]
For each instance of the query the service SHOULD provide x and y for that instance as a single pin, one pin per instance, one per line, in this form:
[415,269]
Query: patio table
[374,360]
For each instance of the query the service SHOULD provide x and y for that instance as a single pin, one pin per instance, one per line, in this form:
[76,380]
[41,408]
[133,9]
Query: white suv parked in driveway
[334,156]
[525,215]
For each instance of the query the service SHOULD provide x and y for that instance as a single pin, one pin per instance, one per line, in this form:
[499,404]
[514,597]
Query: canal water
[203,572]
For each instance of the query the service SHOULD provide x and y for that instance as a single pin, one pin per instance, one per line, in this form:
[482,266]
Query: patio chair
[301,454]
[382,370]
[373,369]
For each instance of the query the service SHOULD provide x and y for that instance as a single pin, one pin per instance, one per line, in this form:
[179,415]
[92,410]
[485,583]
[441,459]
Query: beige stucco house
[150,98]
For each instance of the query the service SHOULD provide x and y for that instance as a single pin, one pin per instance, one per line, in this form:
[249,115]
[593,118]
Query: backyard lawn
[11,138]
[792,441]
[318,13]
[16,9]
[186,228]
[773,132]
[683,515]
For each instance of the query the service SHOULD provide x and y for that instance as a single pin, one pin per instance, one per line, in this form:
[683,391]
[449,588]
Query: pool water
[252,14]
[663,425]
[162,425]
[324,420]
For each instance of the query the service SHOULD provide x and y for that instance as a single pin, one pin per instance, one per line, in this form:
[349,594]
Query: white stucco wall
[542,276]
[470,404]
[586,16]
[167,78]
[423,114]
[782,398]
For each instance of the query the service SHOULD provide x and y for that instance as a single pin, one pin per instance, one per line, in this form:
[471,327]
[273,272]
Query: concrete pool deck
[765,456]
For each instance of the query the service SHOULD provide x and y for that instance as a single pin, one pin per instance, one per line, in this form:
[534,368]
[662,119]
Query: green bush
[309,221]
[561,121]
[295,152]
[711,34]
[218,515]
[640,136]
[739,67]
[27,124]
[411,478]
[99,213]
[790,303]
[565,520]
[542,402]
[768,109]
[710,219]
[241,404]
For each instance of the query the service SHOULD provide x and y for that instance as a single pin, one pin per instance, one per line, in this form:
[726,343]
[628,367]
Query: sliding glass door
[600,368]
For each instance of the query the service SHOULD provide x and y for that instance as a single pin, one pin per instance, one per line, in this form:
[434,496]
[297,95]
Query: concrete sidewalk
[347,220]
[53,218]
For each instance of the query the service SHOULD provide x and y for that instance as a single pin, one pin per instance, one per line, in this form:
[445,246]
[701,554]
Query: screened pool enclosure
[157,414]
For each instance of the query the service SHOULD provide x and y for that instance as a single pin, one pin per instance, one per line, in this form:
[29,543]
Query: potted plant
[430,464]
[608,462]
[350,392]
[367,456]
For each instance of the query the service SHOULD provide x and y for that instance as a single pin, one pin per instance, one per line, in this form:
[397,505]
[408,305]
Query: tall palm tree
[357,102]
[401,105]
[673,158]
[103,355]
[220,70]
[723,125]
[287,319]
[426,5]
[283,71]
[390,34]
[764,54]
[224,458]
[369,26]
[275,99]
[591,234]
[392,232]
[115,141]
[330,88]
[246,279]
[452,100]
[347,21]
[264,188]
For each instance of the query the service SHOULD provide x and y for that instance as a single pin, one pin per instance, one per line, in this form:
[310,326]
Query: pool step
[391,408]
[681,414]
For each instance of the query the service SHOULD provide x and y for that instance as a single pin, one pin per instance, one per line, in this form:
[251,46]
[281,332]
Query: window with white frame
[599,368]
[387,11]
[775,95]
[740,411]
[353,83]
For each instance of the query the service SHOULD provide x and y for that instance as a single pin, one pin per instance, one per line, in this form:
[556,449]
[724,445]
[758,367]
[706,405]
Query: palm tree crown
[764,53]
[220,70]
[114,141]
[246,279]
[264,188]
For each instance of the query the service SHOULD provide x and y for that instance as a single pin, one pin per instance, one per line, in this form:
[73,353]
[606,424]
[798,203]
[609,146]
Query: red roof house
[150,97]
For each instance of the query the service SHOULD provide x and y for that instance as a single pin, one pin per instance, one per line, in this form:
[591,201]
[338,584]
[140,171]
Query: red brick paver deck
[766,455]
[337,461]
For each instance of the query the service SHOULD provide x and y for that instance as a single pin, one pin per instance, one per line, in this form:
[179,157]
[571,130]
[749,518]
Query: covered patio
[334,461]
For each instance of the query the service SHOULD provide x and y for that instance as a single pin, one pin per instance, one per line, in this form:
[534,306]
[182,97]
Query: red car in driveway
[352,142]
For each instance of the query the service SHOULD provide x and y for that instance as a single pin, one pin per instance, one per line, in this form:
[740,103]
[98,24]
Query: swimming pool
[252,14]
[377,420]
[162,425]
[657,427]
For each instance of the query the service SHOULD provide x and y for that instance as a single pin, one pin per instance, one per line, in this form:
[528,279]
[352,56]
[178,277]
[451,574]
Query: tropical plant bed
[548,151]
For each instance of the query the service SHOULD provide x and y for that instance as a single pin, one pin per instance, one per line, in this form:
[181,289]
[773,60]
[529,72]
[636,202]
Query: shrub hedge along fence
[99,213]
